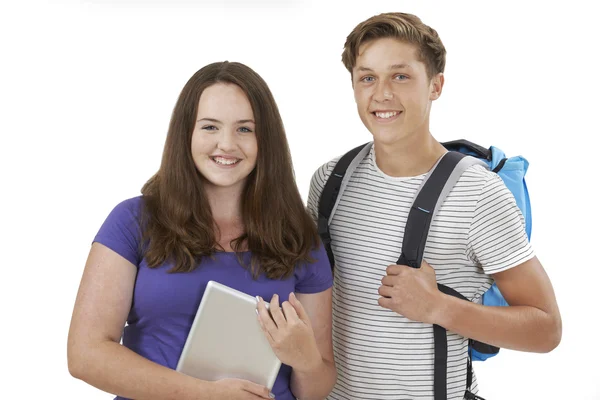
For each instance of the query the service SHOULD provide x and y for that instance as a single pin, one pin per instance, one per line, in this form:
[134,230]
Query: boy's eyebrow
[393,66]
[400,66]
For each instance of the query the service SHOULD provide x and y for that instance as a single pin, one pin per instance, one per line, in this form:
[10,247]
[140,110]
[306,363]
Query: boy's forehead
[389,51]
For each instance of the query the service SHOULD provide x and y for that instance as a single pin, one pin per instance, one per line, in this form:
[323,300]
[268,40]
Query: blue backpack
[512,171]
[429,197]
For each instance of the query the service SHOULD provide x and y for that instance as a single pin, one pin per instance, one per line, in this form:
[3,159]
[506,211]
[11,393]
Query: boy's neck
[411,156]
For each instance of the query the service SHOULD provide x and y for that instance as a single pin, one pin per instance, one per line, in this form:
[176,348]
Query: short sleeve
[316,187]
[314,277]
[121,230]
[497,238]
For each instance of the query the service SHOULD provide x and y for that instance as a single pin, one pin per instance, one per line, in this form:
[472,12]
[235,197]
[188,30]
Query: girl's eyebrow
[241,121]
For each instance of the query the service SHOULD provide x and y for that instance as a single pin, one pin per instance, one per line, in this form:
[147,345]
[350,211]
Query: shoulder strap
[334,186]
[429,198]
[466,147]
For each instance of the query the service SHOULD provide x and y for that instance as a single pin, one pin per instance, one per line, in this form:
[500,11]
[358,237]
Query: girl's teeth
[225,161]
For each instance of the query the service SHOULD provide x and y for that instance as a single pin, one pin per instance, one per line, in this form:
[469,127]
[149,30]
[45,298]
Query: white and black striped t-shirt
[479,230]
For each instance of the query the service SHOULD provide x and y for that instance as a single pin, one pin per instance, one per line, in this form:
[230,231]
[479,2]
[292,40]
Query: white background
[86,92]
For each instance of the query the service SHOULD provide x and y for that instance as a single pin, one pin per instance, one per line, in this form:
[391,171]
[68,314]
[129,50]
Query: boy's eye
[368,79]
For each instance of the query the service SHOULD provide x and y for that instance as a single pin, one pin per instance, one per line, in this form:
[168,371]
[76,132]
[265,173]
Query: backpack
[427,200]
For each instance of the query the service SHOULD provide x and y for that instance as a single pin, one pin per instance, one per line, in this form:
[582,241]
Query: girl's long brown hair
[177,220]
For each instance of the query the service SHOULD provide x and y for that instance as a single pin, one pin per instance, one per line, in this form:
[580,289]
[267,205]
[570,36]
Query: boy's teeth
[388,114]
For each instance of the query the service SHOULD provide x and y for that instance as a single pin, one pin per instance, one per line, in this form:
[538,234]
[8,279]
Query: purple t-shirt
[164,305]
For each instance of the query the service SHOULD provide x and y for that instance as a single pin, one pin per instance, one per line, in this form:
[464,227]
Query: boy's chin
[387,136]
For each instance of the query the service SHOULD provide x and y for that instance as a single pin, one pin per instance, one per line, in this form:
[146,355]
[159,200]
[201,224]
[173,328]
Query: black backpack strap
[433,192]
[466,147]
[330,194]
[422,210]
[440,366]
[475,150]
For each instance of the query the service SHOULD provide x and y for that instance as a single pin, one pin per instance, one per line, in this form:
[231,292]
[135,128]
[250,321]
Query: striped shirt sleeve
[316,187]
[497,238]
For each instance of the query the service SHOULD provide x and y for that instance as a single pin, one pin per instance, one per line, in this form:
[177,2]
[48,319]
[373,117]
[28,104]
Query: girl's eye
[209,128]
[245,130]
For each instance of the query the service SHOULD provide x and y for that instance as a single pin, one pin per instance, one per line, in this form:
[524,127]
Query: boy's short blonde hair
[404,27]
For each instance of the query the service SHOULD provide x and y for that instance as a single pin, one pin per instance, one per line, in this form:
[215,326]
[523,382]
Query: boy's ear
[436,86]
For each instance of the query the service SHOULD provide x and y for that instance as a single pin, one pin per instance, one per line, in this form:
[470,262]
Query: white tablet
[226,340]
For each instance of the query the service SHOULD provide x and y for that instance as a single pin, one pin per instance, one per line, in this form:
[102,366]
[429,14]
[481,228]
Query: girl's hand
[289,332]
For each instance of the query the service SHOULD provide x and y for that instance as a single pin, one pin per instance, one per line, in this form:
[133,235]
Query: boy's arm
[499,244]
[531,323]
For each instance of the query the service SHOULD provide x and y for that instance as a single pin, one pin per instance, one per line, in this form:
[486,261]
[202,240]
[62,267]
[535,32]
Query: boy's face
[392,91]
